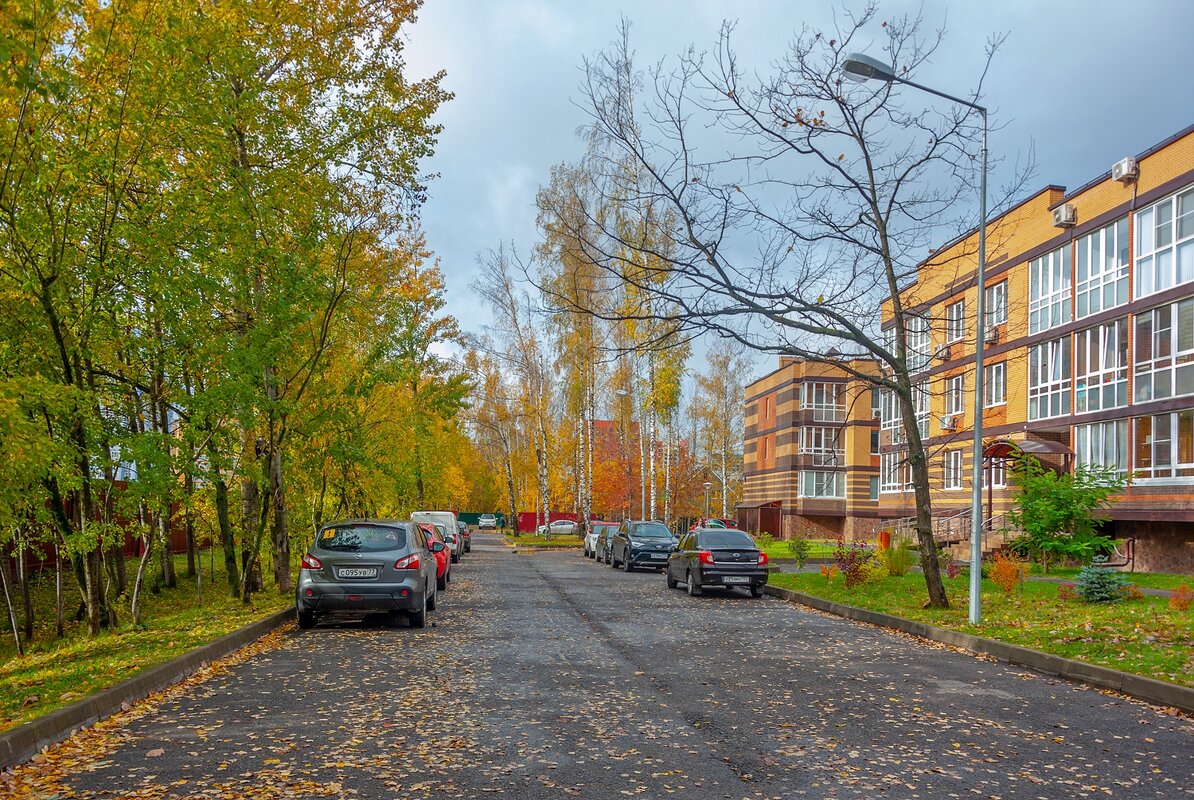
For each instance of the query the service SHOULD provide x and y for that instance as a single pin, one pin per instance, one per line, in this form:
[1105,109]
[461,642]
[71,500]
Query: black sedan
[641,544]
[717,557]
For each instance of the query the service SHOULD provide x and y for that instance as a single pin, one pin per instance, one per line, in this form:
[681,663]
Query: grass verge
[1145,580]
[817,548]
[56,672]
[534,540]
[1142,636]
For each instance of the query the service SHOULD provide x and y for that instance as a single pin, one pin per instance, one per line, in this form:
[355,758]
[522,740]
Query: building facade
[811,458]
[1090,346]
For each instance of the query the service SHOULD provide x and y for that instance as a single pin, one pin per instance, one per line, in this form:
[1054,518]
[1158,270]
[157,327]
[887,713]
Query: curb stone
[25,741]
[1138,686]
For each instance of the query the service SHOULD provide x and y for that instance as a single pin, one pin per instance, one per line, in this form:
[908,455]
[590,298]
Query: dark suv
[641,544]
[363,566]
[717,557]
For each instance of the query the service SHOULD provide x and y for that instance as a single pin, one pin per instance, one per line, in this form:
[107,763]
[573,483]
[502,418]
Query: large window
[994,384]
[1103,444]
[1164,445]
[1101,367]
[822,484]
[995,304]
[922,401]
[1165,244]
[895,474]
[1164,344]
[873,486]
[955,321]
[1049,379]
[952,469]
[919,343]
[996,472]
[891,419]
[1049,290]
[824,399]
[822,444]
[955,392]
[1102,269]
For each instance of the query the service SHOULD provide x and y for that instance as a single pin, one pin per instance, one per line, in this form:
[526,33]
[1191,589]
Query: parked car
[367,566]
[488,522]
[714,522]
[604,543]
[641,544]
[721,557]
[452,539]
[443,557]
[596,530]
[561,527]
[446,519]
[466,536]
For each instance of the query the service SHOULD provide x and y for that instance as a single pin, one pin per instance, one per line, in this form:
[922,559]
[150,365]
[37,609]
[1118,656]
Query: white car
[446,522]
[488,522]
[561,527]
[595,532]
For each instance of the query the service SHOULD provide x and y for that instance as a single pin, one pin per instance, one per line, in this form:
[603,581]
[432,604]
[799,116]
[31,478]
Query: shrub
[829,572]
[897,559]
[1132,592]
[1182,598]
[799,547]
[1066,592]
[852,561]
[1007,573]
[1098,584]
[873,570]
[764,539]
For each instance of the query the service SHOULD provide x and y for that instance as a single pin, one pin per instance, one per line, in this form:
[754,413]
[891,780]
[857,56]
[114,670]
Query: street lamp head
[621,393]
[708,486]
[859,68]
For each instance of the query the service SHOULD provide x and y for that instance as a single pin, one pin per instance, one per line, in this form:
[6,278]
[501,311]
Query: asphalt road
[549,676]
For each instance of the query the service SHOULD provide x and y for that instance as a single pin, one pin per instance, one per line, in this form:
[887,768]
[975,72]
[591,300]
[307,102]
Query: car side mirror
[437,547]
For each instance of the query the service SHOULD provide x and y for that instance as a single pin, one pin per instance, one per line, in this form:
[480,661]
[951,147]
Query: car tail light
[311,562]
[409,562]
[706,557]
[762,559]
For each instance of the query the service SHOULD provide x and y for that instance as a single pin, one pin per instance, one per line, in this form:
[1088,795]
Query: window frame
[995,304]
[1108,250]
[953,470]
[989,383]
[1156,259]
[955,394]
[1092,375]
[823,443]
[837,481]
[1161,361]
[1050,290]
[1148,472]
[1085,440]
[1050,378]
[823,411]
[955,322]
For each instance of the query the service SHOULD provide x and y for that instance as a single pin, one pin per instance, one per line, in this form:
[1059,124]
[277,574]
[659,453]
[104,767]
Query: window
[996,469]
[1103,444]
[1164,364]
[875,442]
[895,474]
[952,473]
[955,389]
[891,420]
[876,403]
[920,399]
[767,411]
[1165,244]
[1164,445]
[766,454]
[919,343]
[1102,269]
[873,481]
[822,484]
[1049,291]
[1049,379]
[825,401]
[955,321]
[822,444]
[1101,367]
[995,304]
[994,384]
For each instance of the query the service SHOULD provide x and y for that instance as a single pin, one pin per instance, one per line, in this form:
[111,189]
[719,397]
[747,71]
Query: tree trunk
[26,595]
[226,538]
[279,530]
[920,482]
[139,581]
[12,614]
[188,489]
[59,622]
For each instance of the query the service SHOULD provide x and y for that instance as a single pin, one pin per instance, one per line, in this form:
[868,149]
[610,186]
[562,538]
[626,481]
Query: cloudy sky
[1081,83]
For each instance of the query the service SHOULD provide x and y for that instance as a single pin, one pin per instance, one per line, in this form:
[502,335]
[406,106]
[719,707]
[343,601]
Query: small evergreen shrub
[799,547]
[1182,598]
[1096,584]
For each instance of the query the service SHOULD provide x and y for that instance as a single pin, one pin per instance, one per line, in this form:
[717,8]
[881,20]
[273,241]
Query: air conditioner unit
[942,353]
[1125,170]
[949,422]
[991,336]
[1065,216]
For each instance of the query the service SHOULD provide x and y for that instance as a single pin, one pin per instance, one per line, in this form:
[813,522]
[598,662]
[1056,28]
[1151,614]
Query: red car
[443,563]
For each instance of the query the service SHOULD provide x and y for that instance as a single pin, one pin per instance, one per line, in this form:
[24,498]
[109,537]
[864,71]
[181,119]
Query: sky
[1079,84]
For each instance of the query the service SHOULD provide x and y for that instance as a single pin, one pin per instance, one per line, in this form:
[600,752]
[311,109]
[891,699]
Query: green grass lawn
[1144,636]
[1145,580]
[534,540]
[818,548]
[56,672]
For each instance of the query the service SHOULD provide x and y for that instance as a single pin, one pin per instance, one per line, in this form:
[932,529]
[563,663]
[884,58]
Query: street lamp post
[708,486]
[859,67]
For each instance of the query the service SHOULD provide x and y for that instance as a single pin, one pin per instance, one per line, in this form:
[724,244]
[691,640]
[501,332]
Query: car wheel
[442,583]
[433,601]
[756,590]
[672,583]
[418,618]
[694,588]
[613,560]
[626,565]
[306,619]
[455,559]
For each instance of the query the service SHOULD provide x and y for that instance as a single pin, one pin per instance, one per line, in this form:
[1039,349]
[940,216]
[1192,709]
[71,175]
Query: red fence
[528,520]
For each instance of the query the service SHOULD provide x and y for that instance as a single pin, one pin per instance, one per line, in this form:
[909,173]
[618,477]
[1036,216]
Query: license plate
[357,572]
[736,579]
[659,555]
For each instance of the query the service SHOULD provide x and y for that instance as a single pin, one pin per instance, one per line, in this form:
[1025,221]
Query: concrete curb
[1147,689]
[25,741]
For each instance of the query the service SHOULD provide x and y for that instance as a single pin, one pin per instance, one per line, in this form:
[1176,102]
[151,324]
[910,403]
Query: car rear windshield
[650,530]
[726,539]
[361,538]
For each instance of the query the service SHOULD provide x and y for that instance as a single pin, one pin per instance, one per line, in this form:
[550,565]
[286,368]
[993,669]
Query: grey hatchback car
[367,566]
